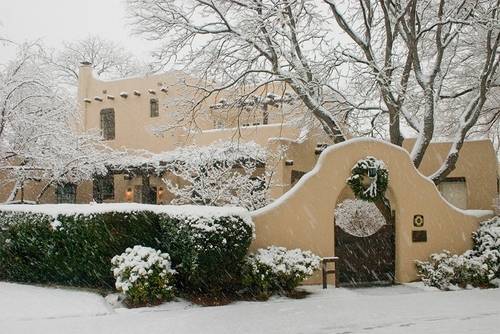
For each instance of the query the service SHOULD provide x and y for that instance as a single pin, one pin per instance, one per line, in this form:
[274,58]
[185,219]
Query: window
[108,124]
[154,108]
[265,115]
[66,193]
[219,124]
[104,188]
[138,194]
[454,190]
[139,198]
[296,175]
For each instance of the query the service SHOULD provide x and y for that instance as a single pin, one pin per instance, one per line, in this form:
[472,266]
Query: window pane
[66,193]
[104,188]
[108,124]
[455,192]
[154,108]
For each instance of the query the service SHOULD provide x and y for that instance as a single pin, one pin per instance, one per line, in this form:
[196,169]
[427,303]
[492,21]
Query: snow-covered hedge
[74,244]
[144,275]
[208,251]
[477,267]
[278,270]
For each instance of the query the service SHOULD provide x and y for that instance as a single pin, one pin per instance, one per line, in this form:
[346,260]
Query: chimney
[85,80]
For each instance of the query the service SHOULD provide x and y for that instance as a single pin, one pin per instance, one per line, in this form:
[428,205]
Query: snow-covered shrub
[476,267]
[278,270]
[445,270]
[487,245]
[144,275]
[208,251]
[70,249]
[74,244]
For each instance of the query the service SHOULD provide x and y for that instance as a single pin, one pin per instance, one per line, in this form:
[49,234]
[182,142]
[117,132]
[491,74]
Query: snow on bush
[477,267]
[144,275]
[276,270]
[208,251]
[207,245]
[358,217]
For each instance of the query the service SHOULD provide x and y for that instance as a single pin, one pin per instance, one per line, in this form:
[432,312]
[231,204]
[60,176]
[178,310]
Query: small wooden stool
[325,270]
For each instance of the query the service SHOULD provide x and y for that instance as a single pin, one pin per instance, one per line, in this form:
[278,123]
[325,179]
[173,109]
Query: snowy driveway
[397,309]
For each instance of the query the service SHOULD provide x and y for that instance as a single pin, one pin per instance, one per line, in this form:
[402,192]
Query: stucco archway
[303,216]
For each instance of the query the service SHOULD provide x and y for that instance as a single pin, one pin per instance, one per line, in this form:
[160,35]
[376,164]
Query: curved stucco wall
[303,217]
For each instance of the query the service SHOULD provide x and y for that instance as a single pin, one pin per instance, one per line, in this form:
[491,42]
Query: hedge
[73,244]
[208,252]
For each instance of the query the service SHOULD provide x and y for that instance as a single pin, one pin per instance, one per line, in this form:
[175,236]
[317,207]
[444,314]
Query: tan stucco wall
[476,163]
[303,217]
[133,124]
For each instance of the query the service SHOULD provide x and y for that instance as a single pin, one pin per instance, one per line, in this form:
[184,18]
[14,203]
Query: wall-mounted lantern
[128,194]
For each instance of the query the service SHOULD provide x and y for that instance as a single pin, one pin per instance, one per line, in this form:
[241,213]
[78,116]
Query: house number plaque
[418,221]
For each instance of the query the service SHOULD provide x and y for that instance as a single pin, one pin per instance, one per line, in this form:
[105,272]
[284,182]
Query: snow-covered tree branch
[425,64]
[109,60]
[225,173]
[38,137]
[237,47]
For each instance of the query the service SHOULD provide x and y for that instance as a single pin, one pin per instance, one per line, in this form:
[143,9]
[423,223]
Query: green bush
[144,275]
[207,245]
[208,251]
[70,249]
[277,270]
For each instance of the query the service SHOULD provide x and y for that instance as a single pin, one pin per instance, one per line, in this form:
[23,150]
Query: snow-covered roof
[219,151]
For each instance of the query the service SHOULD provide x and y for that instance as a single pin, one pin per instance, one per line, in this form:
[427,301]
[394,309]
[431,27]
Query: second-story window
[108,123]
[154,108]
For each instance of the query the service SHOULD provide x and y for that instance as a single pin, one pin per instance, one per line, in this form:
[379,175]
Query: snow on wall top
[55,210]
[319,164]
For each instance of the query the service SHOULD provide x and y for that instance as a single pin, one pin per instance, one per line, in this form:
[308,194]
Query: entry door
[365,260]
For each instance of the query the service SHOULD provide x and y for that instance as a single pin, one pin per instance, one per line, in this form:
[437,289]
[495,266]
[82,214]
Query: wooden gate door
[367,260]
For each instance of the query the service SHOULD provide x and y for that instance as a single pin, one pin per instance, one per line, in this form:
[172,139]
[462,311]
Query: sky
[55,21]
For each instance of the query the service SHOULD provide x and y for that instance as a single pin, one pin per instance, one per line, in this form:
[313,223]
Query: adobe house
[309,181]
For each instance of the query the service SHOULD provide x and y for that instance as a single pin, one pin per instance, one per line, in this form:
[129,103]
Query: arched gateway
[423,222]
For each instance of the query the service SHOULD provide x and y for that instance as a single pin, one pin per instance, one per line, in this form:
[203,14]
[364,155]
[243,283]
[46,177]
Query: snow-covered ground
[396,309]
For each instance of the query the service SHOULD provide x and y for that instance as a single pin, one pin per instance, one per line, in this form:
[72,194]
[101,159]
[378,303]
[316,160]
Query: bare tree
[243,46]
[109,59]
[431,62]
[410,65]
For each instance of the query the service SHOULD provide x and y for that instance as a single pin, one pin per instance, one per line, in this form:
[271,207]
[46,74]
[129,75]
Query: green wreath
[369,179]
